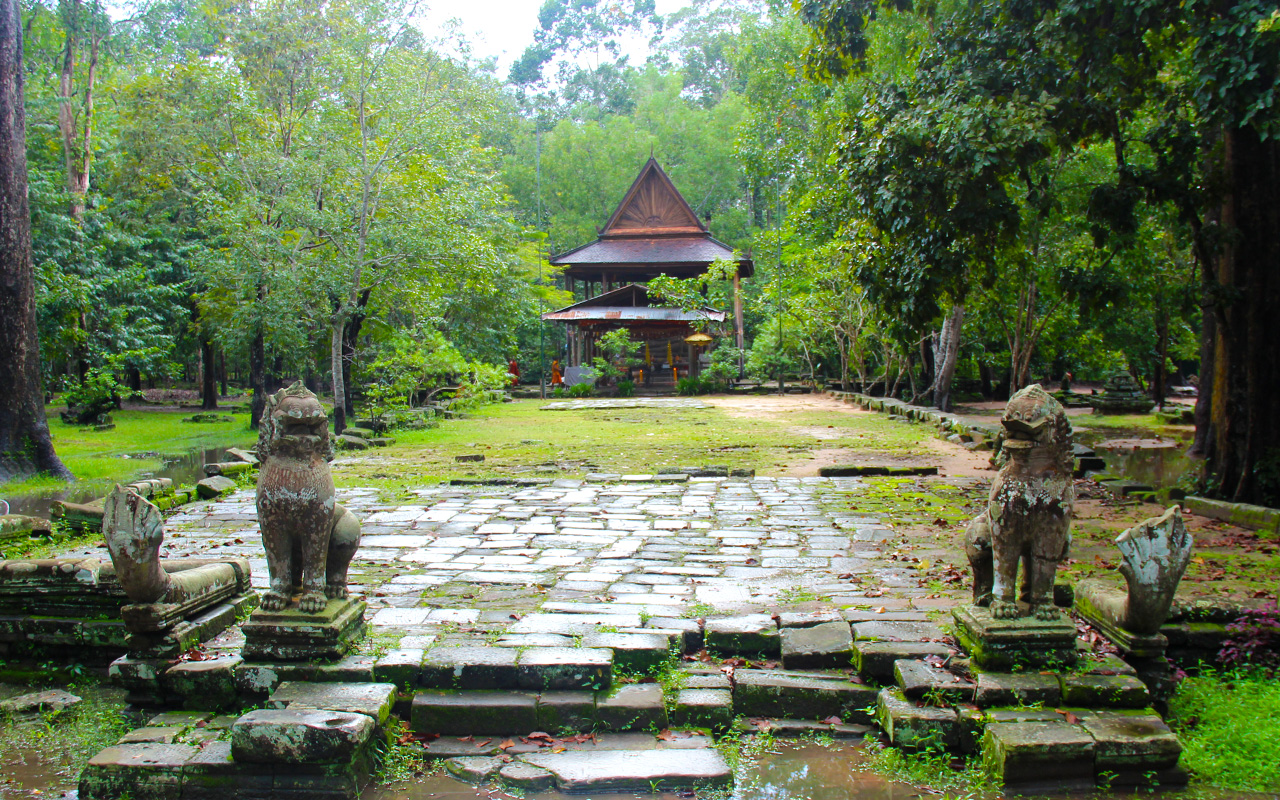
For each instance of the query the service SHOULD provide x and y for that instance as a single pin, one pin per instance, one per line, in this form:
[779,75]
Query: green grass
[98,458]
[516,438]
[871,431]
[1226,722]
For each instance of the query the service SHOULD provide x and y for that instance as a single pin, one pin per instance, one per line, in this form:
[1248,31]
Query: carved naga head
[294,424]
[1036,426]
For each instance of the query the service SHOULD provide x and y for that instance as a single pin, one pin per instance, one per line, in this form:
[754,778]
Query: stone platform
[516,609]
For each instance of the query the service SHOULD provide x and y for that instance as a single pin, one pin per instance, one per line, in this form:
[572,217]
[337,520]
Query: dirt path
[951,459]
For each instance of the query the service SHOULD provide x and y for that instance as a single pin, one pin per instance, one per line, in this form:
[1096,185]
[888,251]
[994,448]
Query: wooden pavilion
[652,232]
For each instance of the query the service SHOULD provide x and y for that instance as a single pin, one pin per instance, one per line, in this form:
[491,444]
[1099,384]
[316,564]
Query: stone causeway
[504,618]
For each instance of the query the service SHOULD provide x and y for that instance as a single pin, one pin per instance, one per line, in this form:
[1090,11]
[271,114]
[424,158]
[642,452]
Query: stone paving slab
[634,770]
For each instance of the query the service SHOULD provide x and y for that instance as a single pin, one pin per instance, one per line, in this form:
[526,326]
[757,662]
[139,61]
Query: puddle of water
[182,469]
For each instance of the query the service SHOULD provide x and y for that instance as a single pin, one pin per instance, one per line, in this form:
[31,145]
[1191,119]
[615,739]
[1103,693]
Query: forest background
[991,193]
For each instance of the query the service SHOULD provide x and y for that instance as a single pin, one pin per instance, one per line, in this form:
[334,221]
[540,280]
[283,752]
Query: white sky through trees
[504,28]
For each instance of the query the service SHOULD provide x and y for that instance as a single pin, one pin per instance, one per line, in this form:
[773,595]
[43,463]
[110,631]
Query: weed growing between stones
[1226,722]
[698,610]
[402,757]
[931,769]
[69,739]
[741,751]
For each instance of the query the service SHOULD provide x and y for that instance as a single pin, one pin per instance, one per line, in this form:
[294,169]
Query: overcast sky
[504,28]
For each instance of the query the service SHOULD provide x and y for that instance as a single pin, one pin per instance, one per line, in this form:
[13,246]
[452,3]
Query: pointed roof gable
[652,206]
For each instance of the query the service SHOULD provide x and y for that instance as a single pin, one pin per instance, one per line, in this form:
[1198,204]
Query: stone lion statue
[1028,515]
[310,539]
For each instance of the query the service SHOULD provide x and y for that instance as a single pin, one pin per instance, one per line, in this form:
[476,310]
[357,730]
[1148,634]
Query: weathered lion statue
[310,539]
[1028,515]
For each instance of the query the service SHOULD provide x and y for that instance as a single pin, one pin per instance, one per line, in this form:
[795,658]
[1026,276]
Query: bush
[1254,640]
[584,389]
[626,388]
[688,387]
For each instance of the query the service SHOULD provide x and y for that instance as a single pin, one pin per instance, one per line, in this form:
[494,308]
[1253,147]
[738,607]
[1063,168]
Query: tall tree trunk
[257,377]
[25,444]
[349,349]
[1244,448]
[947,356]
[335,366]
[209,376]
[1204,387]
[222,371]
[77,132]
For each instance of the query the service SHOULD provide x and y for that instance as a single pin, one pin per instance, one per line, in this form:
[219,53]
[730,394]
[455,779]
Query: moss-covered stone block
[633,707]
[1031,755]
[143,770]
[1020,688]
[795,695]
[459,713]
[913,726]
[566,711]
[703,708]
[1104,691]
[752,635]
[203,685]
[1131,746]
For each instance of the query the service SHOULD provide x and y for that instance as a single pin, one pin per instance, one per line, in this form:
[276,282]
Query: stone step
[601,770]
[798,695]
[633,707]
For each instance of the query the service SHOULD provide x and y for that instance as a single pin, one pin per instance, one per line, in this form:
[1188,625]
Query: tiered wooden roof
[652,232]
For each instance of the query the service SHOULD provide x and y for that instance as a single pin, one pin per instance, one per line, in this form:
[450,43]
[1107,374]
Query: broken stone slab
[301,736]
[1104,691]
[1014,689]
[142,770]
[934,685]
[773,693]
[703,708]
[875,660]
[705,679]
[579,772]
[526,777]
[828,644]
[914,727]
[469,457]
[475,770]
[374,700]
[49,701]
[633,652]
[455,713]
[1031,755]
[214,487]
[756,634]
[633,707]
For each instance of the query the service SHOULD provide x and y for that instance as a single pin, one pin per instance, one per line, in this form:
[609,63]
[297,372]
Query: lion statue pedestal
[306,615]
